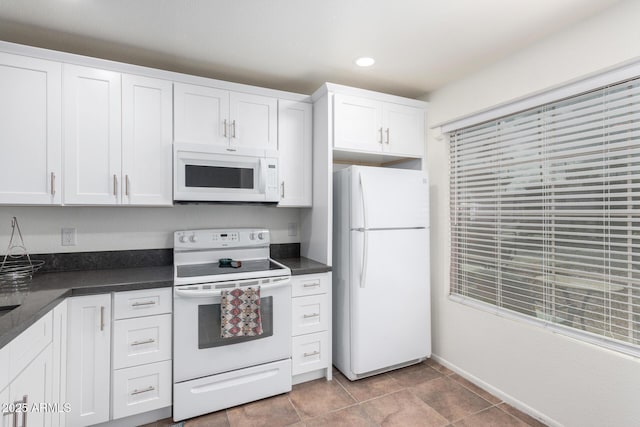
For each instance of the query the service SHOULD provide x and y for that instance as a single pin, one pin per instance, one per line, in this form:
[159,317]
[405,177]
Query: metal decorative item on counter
[17,267]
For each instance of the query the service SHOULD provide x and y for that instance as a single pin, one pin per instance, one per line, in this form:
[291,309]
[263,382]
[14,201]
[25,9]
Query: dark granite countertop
[302,265]
[49,289]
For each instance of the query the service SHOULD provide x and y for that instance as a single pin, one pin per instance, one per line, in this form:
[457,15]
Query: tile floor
[427,394]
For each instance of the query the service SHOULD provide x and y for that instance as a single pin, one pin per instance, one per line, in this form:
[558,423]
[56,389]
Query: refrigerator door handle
[363,271]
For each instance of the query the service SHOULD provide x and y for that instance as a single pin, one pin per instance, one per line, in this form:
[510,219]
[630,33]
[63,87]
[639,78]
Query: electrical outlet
[69,236]
[293,229]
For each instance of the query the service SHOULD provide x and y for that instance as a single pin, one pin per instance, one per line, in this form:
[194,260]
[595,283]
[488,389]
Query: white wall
[568,382]
[118,228]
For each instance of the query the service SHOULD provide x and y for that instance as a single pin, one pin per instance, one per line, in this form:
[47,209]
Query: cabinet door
[33,387]
[146,141]
[357,123]
[92,136]
[59,349]
[201,114]
[404,130]
[6,418]
[88,359]
[30,130]
[254,121]
[294,150]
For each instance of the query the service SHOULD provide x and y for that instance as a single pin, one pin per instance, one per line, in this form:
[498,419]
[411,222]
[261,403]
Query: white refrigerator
[381,295]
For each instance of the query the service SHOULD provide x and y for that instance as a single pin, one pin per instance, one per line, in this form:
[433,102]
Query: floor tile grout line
[295,408]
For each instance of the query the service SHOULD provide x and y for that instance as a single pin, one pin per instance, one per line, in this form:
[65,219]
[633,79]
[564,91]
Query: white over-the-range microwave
[203,173]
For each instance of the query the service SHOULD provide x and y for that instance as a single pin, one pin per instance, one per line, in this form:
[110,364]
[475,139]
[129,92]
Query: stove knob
[252,236]
[260,236]
[193,238]
[183,239]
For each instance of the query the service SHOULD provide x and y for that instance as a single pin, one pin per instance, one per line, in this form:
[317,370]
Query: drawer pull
[307,316]
[313,353]
[142,304]
[144,390]
[311,285]
[149,341]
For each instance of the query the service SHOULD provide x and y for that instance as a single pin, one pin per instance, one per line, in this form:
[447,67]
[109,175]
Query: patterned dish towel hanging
[240,312]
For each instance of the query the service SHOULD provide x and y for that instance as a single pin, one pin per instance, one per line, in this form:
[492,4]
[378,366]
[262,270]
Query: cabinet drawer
[310,314]
[310,352]
[26,346]
[141,389]
[141,340]
[310,284]
[146,302]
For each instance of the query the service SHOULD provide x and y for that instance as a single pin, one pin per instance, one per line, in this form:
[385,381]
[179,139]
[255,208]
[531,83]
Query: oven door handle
[198,293]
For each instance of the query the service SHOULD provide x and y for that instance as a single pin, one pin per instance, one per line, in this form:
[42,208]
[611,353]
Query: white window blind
[545,213]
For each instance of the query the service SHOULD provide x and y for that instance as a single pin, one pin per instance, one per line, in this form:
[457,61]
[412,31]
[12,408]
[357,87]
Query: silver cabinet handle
[225,128]
[144,390]
[53,183]
[23,409]
[149,341]
[380,136]
[311,285]
[24,413]
[387,136]
[282,190]
[102,318]
[115,185]
[313,353]
[233,127]
[141,304]
[307,316]
[126,185]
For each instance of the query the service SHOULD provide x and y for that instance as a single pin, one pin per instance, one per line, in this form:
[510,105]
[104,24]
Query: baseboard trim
[519,405]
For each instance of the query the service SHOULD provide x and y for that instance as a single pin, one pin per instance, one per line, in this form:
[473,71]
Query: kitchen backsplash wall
[124,228]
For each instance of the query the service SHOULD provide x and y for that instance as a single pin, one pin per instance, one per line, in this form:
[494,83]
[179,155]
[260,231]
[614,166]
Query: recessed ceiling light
[365,62]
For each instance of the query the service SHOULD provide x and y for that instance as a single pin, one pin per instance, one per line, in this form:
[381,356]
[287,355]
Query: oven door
[215,175]
[198,347]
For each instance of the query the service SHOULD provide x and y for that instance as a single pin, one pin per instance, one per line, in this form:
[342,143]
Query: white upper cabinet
[30,130]
[357,123]
[367,125]
[201,114]
[92,136]
[294,149]
[205,115]
[403,129]
[146,141]
[254,121]
[117,138]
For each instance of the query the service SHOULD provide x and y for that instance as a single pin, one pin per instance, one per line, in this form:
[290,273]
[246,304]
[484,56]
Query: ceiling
[296,45]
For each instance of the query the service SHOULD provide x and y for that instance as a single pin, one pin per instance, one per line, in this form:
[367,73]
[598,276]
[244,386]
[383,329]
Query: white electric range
[210,372]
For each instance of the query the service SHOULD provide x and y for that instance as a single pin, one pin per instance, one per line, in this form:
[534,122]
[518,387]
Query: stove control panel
[221,238]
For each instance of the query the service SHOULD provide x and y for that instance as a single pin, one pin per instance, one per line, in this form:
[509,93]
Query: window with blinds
[545,214]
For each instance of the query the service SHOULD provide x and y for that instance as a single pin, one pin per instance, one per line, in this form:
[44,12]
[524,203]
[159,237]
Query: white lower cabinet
[311,326]
[141,389]
[88,359]
[141,351]
[28,377]
[119,356]
[33,388]
[310,352]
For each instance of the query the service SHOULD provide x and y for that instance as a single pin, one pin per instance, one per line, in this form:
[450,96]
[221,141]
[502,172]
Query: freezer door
[390,298]
[388,198]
